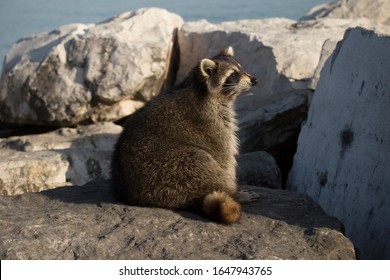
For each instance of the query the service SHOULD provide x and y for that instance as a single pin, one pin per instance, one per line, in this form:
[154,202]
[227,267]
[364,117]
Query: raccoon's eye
[233,75]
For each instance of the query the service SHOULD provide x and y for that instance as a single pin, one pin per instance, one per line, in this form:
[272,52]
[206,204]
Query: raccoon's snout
[253,81]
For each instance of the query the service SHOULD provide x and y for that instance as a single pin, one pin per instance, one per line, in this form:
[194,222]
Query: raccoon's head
[224,77]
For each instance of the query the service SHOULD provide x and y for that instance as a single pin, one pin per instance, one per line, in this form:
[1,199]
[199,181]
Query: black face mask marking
[233,78]
[231,83]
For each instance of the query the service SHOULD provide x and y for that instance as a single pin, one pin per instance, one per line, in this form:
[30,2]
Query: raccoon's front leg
[246,196]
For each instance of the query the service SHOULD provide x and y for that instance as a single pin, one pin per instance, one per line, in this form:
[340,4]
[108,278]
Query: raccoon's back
[144,146]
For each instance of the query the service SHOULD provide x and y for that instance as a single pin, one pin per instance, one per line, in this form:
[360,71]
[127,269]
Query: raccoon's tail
[220,206]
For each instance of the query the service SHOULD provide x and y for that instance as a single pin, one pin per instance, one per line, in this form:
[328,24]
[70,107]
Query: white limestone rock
[281,52]
[327,50]
[342,160]
[31,172]
[65,156]
[376,10]
[80,73]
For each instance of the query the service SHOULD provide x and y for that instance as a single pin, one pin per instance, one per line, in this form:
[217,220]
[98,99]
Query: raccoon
[179,150]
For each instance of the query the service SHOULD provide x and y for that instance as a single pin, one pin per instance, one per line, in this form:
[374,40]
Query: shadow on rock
[286,206]
[91,193]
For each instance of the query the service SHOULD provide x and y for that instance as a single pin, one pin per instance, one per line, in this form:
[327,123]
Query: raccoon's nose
[253,81]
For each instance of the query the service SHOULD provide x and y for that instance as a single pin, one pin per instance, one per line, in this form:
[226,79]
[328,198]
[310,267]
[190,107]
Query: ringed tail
[221,207]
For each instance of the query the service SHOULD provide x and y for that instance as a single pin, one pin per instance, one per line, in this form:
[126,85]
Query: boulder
[342,160]
[84,222]
[258,169]
[31,172]
[33,163]
[376,10]
[81,73]
[283,54]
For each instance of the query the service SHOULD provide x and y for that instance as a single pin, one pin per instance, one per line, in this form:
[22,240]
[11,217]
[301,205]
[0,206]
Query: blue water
[20,18]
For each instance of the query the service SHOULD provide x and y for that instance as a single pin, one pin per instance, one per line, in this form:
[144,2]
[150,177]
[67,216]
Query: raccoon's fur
[178,151]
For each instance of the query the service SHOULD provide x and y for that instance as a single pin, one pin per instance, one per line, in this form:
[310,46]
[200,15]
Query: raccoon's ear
[207,66]
[228,51]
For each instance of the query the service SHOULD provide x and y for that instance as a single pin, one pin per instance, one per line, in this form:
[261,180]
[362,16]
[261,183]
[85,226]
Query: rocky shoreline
[80,79]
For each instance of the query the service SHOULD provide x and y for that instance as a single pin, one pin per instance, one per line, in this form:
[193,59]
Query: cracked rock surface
[84,222]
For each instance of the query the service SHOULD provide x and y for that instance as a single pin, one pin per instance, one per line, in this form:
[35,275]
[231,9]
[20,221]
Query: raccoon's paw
[247,196]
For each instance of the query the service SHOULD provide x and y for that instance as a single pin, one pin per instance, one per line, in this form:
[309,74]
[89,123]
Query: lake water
[20,18]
